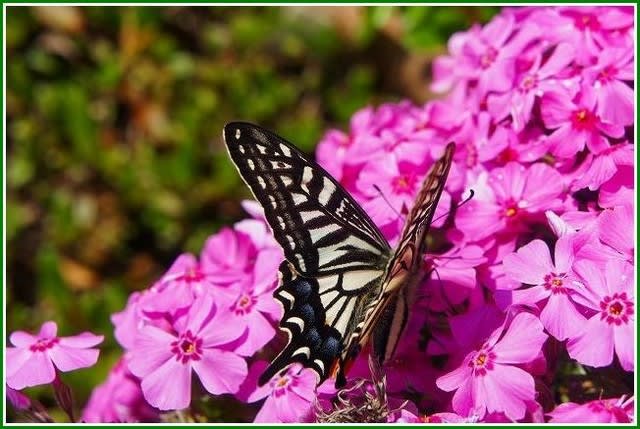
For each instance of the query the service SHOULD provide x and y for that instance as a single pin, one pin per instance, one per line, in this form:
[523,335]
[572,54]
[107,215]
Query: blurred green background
[115,160]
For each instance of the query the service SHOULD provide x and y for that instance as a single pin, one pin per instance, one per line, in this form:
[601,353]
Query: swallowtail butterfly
[341,285]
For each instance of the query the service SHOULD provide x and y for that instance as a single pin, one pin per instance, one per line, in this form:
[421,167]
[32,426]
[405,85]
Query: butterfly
[341,284]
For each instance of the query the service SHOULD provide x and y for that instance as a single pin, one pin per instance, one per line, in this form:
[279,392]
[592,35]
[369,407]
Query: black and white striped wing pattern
[335,255]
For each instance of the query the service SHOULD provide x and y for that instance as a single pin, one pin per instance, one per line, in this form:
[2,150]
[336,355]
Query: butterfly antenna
[387,201]
[442,292]
[460,204]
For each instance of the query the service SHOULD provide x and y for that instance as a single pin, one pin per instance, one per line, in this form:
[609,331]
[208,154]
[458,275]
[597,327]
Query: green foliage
[115,160]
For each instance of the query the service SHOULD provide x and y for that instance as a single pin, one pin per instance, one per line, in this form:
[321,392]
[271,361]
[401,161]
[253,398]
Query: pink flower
[228,256]
[609,75]
[541,76]
[617,191]
[164,360]
[610,294]
[178,287]
[289,396]
[488,380]
[599,411]
[507,197]
[35,358]
[553,284]
[614,228]
[19,400]
[252,307]
[576,123]
[119,400]
[598,169]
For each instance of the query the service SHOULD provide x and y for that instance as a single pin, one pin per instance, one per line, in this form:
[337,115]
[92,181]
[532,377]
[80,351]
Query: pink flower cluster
[534,272]
[541,108]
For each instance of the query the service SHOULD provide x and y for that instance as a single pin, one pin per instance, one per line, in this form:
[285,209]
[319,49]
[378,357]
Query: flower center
[43,344]
[616,309]
[403,184]
[482,361]
[511,211]
[584,22]
[244,304]
[529,82]
[280,385]
[583,119]
[555,283]
[488,58]
[607,74]
[187,347]
[193,274]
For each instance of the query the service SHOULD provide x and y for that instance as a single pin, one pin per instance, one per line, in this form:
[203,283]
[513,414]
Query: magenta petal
[457,377]
[22,339]
[522,341]
[624,343]
[614,226]
[563,255]
[220,371]
[589,351]
[505,389]
[593,276]
[561,317]
[268,413]
[561,57]
[260,333]
[169,386]
[201,313]
[68,359]
[529,296]
[152,349]
[224,328]
[48,330]
[292,408]
[530,263]
[305,385]
[565,142]
[463,401]
[479,219]
[81,341]
[556,109]
[35,371]
[616,103]
[15,359]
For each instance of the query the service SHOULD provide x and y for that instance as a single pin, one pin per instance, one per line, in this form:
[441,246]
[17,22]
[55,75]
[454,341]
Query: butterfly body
[341,284]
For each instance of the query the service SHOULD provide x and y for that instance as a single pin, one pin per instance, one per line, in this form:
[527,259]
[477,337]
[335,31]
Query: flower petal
[220,371]
[522,341]
[152,349]
[34,372]
[624,343]
[594,347]
[505,389]
[81,341]
[68,359]
[530,263]
[169,386]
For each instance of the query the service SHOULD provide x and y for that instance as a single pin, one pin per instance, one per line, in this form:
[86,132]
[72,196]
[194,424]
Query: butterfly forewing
[335,255]
[320,227]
